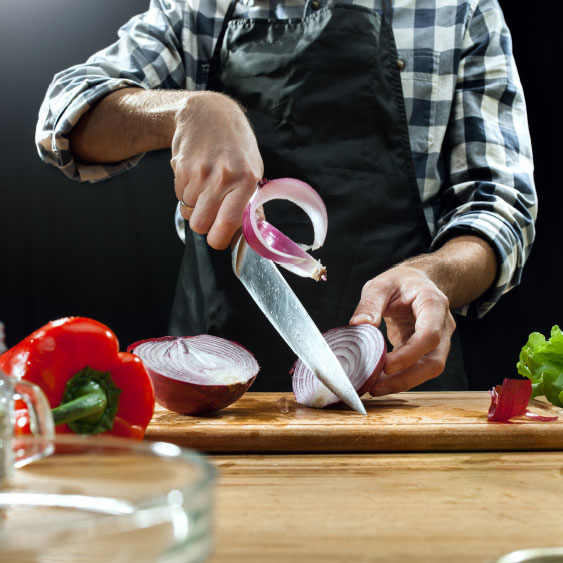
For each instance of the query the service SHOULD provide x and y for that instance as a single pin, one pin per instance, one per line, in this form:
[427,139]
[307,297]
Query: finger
[187,198]
[186,191]
[181,177]
[433,323]
[260,213]
[426,368]
[373,301]
[185,209]
[205,194]
[207,207]
[229,218]
[422,342]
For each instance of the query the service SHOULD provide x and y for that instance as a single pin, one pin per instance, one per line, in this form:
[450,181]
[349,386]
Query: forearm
[214,153]
[126,123]
[463,268]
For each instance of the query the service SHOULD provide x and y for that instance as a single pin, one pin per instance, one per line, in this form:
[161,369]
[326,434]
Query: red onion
[196,374]
[510,400]
[272,244]
[360,350]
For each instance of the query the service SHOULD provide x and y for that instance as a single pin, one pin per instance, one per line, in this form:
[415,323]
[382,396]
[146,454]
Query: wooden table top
[431,507]
[414,421]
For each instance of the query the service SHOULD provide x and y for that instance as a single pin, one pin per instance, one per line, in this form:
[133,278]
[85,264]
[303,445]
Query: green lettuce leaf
[541,361]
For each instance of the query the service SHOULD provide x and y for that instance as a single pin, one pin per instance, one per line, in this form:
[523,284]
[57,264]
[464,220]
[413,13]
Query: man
[409,121]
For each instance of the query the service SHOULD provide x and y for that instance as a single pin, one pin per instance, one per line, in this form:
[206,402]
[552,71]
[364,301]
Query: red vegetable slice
[510,400]
[270,243]
[361,351]
[196,374]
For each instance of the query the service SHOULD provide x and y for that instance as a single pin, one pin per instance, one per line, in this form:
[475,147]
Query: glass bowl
[98,499]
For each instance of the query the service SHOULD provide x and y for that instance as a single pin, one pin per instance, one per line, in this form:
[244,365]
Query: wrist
[463,268]
[212,108]
[154,112]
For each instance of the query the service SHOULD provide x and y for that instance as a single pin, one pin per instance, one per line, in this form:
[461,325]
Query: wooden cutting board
[423,421]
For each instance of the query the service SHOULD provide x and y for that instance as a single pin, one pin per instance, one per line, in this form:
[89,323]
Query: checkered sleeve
[146,55]
[488,154]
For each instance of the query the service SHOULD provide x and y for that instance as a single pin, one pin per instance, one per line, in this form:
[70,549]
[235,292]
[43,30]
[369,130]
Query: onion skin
[510,400]
[361,349]
[194,398]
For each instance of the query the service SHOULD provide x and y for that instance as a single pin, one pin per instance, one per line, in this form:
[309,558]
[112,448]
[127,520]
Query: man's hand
[216,163]
[414,298]
[419,326]
[215,156]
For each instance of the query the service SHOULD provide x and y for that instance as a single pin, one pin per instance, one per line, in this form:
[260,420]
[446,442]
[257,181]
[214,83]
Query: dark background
[109,250]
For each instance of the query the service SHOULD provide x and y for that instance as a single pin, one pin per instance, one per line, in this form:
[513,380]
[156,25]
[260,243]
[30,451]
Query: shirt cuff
[508,248]
[54,144]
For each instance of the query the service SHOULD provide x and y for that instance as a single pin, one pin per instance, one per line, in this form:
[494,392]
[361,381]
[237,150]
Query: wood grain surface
[430,421]
[433,507]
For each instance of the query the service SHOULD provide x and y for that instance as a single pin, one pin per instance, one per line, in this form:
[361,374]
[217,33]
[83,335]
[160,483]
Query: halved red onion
[196,374]
[361,351]
[510,400]
[270,243]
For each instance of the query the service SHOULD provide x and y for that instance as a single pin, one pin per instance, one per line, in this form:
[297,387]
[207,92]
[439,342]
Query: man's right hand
[215,155]
[216,164]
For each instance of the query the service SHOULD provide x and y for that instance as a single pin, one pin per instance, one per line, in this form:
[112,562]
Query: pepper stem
[90,402]
[88,406]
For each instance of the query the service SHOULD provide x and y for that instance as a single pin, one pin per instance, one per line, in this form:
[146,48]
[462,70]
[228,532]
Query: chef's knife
[283,309]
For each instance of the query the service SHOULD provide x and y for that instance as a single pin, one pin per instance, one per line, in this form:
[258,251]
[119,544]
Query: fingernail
[380,390]
[362,318]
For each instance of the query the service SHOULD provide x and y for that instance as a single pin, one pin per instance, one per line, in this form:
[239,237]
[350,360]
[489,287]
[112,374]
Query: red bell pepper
[21,415]
[92,387]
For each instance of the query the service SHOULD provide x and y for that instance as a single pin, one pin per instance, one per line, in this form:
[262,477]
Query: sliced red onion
[196,374]
[510,400]
[360,350]
[270,243]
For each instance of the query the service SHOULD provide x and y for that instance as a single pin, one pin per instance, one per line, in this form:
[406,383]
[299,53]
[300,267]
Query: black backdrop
[109,250]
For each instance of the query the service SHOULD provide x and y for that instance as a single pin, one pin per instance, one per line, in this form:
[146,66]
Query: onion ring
[270,243]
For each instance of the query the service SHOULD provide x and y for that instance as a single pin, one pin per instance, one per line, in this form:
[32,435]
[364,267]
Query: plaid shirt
[465,108]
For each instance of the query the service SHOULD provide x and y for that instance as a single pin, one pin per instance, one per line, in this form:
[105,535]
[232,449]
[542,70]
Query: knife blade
[278,302]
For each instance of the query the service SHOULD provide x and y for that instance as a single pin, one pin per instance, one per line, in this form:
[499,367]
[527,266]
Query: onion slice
[196,374]
[270,243]
[510,400]
[360,350]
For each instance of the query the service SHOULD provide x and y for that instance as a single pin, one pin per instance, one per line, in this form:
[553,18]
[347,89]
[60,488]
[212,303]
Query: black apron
[324,96]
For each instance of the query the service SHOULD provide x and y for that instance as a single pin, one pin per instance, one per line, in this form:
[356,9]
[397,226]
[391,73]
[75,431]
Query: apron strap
[228,16]
[388,10]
